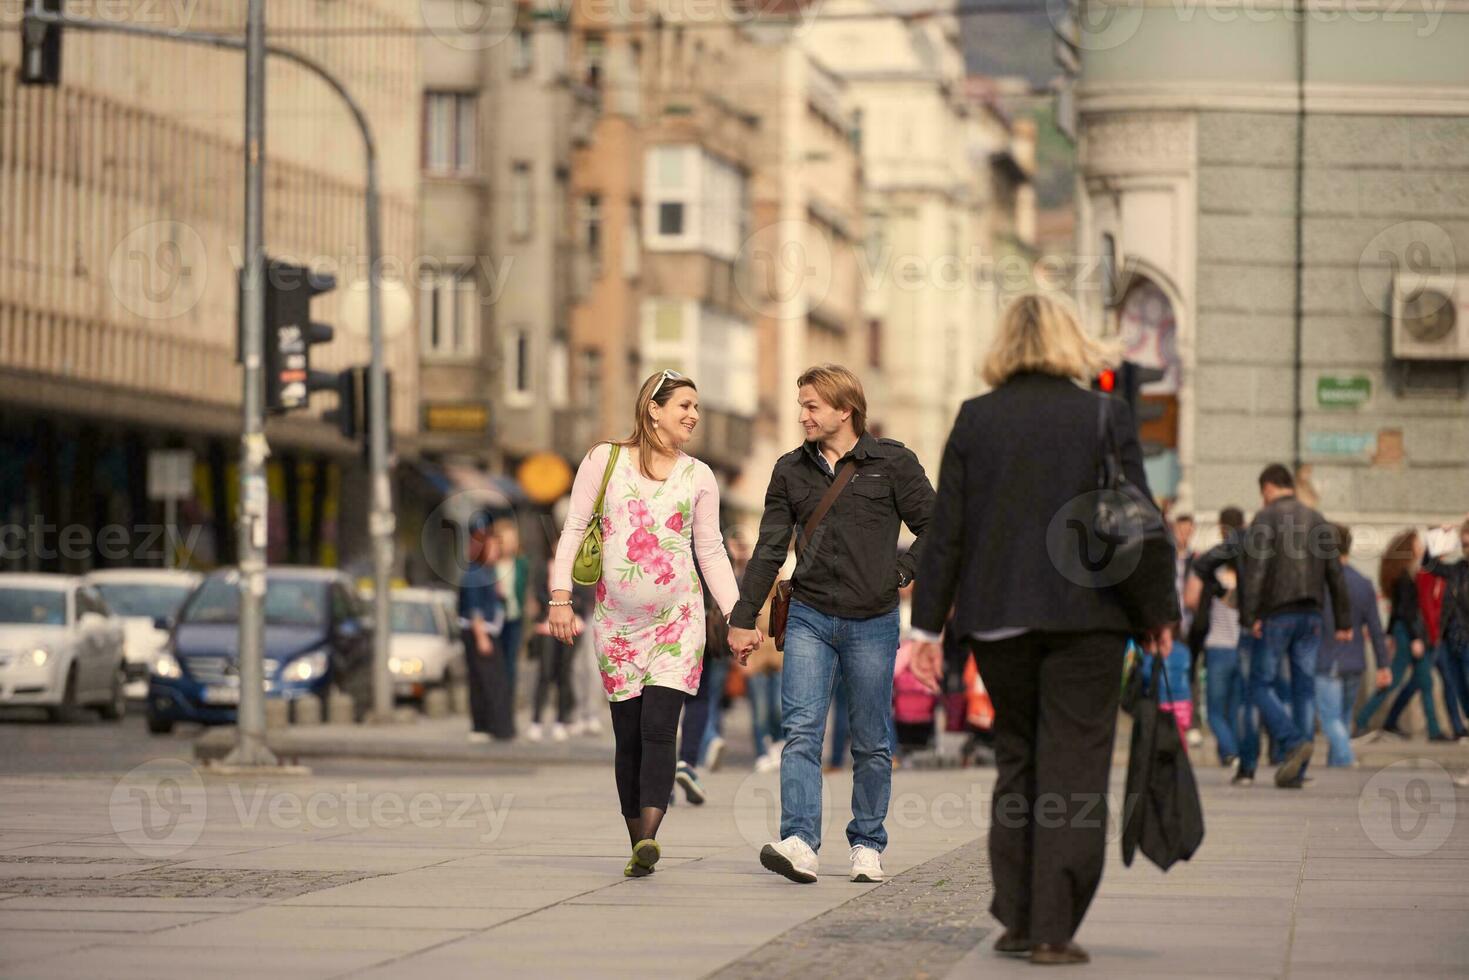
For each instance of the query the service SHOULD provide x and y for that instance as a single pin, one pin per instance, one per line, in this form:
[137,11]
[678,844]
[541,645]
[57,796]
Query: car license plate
[221,695]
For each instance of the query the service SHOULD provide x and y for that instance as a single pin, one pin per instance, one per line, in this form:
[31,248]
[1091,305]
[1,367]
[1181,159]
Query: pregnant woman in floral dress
[661,509]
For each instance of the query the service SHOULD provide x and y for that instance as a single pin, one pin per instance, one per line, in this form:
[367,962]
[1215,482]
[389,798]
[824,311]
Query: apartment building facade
[123,191]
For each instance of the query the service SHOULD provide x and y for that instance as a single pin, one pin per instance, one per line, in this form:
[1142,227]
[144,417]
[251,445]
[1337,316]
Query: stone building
[1257,193]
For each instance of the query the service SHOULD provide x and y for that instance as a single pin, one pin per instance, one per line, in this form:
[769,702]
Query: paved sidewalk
[167,872]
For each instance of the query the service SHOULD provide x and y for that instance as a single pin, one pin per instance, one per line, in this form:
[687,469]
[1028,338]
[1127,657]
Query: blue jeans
[841,727]
[1294,637]
[1420,681]
[718,671]
[1249,715]
[1453,662]
[1336,693]
[1226,699]
[764,693]
[865,650]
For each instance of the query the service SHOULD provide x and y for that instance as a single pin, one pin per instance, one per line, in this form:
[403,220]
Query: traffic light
[40,45]
[351,387]
[290,334]
[1126,382]
[353,414]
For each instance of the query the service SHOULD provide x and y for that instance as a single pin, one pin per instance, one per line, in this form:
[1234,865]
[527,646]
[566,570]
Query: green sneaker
[635,870]
[647,853]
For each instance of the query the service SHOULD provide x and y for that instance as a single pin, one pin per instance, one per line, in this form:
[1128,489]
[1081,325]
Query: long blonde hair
[1040,332]
[657,390]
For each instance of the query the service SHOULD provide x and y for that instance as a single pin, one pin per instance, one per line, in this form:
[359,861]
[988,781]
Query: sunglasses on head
[668,375]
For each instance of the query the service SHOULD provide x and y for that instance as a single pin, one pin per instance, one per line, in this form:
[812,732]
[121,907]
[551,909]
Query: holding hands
[742,643]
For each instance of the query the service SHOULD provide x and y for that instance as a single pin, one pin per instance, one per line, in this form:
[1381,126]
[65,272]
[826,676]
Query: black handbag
[1163,815]
[1126,518]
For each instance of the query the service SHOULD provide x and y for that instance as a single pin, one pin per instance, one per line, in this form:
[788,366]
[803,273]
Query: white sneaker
[592,727]
[1195,737]
[576,728]
[532,732]
[478,738]
[768,762]
[558,732]
[714,753]
[792,858]
[866,864]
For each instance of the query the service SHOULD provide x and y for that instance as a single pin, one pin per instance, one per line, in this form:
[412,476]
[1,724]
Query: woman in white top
[661,509]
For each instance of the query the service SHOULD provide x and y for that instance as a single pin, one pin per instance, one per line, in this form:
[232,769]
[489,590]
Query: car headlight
[407,666]
[306,668]
[39,657]
[271,666]
[166,665]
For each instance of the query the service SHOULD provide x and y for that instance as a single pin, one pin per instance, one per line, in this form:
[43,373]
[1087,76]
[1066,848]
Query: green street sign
[1337,391]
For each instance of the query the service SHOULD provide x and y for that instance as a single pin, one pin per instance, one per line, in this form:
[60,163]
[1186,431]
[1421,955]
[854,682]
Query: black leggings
[644,728]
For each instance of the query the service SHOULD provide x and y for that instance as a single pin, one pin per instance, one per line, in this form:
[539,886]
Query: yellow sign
[456,417]
[545,477]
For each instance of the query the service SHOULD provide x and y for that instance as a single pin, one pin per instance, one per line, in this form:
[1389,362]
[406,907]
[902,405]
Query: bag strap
[606,476]
[830,497]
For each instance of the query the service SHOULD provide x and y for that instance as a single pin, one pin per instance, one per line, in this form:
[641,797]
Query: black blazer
[1016,458]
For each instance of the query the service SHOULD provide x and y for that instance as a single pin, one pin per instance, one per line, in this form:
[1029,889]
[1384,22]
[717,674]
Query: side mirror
[164,623]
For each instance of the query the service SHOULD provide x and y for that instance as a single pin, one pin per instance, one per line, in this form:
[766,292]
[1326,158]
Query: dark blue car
[317,636]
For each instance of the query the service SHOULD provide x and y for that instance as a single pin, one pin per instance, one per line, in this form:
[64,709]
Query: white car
[424,646]
[60,648]
[147,600]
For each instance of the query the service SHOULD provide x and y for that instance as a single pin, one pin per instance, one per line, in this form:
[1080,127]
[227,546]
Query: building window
[632,241]
[520,199]
[517,366]
[589,229]
[449,132]
[670,218]
[522,51]
[595,56]
[449,315]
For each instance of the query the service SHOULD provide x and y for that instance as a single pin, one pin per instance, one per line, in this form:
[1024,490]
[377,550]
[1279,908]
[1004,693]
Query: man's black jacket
[1289,552]
[850,568]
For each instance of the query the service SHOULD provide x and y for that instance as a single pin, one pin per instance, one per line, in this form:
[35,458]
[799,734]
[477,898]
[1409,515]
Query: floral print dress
[648,626]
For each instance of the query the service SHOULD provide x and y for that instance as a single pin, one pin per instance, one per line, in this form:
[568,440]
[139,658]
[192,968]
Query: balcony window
[449,315]
[449,129]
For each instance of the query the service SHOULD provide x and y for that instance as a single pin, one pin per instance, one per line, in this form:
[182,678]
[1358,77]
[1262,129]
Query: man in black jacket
[1290,552]
[844,611]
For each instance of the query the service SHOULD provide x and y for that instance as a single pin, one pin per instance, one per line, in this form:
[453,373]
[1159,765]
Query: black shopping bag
[1162,812]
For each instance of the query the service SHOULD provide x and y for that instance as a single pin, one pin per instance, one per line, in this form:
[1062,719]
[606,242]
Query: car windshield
[288,602]
[33,607]
[142,599]
[413,617]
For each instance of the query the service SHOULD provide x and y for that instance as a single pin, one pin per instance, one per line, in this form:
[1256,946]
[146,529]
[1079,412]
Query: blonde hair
[1040,332]
[655,391]
[839,388]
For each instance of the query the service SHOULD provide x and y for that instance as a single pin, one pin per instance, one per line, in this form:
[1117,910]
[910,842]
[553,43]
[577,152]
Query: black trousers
[1055,697]
[696,720]
[644,728]
[489,690]
[555,660]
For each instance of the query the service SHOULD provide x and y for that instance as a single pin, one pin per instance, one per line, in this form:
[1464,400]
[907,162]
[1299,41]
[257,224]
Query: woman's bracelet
[553,603]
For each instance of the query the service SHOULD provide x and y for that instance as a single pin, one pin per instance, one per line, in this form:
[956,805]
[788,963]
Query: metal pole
[170,534]
[250,750]
[381,521]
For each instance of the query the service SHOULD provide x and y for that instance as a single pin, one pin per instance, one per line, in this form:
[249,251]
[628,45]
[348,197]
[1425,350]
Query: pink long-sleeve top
[708,541]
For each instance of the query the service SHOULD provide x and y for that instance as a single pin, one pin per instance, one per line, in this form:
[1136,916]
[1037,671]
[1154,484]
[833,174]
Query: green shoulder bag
[587,569]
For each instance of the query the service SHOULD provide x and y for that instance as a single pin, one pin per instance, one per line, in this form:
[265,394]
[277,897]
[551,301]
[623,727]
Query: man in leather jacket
[1289,552]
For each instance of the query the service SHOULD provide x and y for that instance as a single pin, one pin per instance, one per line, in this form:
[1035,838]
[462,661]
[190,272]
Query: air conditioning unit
[1430,318]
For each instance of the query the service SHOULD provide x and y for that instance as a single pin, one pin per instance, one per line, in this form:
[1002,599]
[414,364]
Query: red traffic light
[1107,381]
